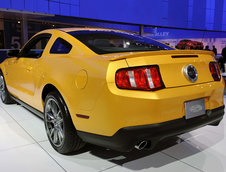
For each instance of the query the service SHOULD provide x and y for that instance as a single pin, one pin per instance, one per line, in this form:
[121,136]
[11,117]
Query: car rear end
[150,94]
[150,97]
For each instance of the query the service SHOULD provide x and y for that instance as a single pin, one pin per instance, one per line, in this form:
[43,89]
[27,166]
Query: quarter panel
[63,71]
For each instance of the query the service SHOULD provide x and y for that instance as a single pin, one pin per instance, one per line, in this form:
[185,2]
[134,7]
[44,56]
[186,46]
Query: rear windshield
[104,42]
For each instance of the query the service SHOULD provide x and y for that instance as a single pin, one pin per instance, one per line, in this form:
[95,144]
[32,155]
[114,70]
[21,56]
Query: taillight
[139,78]
[215,71]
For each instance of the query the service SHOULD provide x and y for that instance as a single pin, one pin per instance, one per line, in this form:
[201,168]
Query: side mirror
[13,53]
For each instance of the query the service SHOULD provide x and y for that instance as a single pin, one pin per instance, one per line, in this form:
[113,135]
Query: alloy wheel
[54,122]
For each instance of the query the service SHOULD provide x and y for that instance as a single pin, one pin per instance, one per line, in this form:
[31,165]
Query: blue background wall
[193,14]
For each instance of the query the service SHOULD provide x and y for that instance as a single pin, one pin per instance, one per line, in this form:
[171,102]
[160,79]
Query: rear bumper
[126,138]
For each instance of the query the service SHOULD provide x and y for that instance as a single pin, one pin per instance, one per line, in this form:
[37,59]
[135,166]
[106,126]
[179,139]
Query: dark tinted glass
[35,47]
[60,46]
[103,42]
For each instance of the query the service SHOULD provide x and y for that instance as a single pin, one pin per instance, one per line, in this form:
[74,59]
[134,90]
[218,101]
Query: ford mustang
[110,88]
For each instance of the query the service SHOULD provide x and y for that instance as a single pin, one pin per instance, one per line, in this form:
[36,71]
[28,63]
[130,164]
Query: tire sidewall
[62,106]
[68,128]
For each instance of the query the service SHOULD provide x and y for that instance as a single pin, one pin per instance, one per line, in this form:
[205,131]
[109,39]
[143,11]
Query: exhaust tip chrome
[141,145]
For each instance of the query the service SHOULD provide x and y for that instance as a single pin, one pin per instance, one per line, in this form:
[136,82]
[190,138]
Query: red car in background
[189,44]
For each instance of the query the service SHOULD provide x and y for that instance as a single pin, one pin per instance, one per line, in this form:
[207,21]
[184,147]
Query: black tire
[4,93]
[59,127]
[215,123]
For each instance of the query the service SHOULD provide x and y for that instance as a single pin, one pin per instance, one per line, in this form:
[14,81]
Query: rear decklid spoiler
[173,53]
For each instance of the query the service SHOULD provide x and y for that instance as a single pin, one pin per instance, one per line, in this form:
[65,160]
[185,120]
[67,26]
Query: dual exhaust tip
[143,144]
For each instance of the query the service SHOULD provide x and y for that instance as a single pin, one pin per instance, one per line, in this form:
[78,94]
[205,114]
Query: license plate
[194,108]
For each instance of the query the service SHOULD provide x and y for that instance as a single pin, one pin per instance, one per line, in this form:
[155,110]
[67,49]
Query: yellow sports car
[110,88]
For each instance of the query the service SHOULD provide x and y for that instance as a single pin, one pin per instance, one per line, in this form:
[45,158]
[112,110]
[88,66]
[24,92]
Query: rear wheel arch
[47,89]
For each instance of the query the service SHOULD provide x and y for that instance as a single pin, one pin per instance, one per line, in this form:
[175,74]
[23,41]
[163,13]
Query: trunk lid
[172,64]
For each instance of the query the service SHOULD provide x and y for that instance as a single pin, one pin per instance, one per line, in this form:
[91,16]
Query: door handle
[29,68]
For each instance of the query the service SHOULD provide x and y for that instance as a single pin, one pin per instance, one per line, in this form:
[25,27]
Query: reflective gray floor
[24,147]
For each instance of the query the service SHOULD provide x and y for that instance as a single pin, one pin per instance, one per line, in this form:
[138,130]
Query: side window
[36,46]
[60,46]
